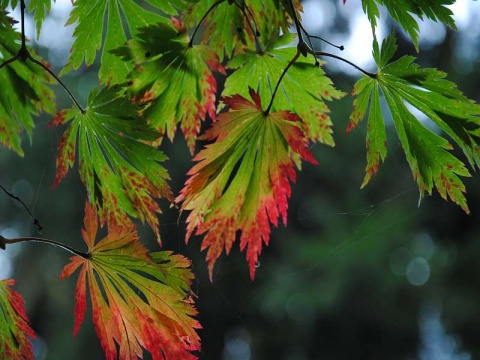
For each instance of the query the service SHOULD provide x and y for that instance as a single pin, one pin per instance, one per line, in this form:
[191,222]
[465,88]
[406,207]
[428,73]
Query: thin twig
[321,53]
[36,222]
[4,241]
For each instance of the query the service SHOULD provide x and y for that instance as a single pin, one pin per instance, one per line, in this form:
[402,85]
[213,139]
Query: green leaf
[303,90]
[403,11]
[40,9]
[232,26]
[14,327]
[242,180]
[25,91]
[120,170]
[174,78]
[138,301]
[404,82]
[89,32]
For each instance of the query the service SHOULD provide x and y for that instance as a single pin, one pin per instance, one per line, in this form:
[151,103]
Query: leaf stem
[5,241]
[214,5]
[75,101]
[297,55]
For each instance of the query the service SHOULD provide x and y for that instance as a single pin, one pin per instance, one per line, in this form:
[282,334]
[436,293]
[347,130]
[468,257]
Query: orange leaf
[139,300]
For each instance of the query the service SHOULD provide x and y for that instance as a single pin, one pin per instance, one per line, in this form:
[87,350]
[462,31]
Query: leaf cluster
[159,68]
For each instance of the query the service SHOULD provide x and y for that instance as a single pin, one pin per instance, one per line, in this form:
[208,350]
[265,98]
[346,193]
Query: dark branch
[321,53]
[36,222]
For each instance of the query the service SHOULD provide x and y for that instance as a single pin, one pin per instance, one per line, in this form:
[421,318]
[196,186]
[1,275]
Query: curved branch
[36,222]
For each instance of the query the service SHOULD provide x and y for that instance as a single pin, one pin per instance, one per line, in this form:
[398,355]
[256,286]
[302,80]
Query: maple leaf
[404,82]
[89,31]
[14,327]
[25,92]
[175,77]
[403,11]
[120,170]
[261,72]
[241,181]
[138,300]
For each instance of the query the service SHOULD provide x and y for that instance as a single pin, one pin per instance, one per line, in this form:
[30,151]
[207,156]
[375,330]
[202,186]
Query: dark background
[356,274]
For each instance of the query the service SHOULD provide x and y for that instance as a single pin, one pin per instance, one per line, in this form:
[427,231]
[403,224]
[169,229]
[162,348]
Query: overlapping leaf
[242,181]
[175,76]
[138,300]
[120,170]
[14,327]
[403,11]
[303,90]
[90,28]
[404,82]
[229,25]
[24,90]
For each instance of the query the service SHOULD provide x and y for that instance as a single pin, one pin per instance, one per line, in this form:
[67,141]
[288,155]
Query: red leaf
[14,327]
[139,300]
[241,182]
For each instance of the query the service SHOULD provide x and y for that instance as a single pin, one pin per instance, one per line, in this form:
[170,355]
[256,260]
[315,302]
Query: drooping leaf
[120,170]
[174,77]
[89,31]
[303,90]
[403,11]
[139,300]
[242,181]
[24,90]
[404,82]
[14,327]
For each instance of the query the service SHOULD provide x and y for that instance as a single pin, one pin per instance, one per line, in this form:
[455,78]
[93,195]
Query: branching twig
[36,222]
[4,241]
[305,49]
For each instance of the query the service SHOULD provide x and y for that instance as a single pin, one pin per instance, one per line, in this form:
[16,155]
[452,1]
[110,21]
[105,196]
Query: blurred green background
[356,274]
